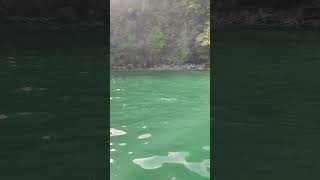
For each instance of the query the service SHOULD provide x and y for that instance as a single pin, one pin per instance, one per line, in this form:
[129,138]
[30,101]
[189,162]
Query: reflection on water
[153,113]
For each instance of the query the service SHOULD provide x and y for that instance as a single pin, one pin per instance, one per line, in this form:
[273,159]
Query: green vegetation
[147,33]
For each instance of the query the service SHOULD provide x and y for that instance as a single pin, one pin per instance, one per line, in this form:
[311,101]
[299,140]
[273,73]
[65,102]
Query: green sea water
[266,104]
[160,127]
[52,102]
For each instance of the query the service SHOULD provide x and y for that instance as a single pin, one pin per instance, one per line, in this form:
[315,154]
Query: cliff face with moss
[292,13]
[53,10]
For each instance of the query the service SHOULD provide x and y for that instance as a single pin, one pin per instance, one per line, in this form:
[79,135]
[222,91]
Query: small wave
[46,138]
[168,99]
[144,136]
[26,89]
[24,113]
[30,57]
[207,148]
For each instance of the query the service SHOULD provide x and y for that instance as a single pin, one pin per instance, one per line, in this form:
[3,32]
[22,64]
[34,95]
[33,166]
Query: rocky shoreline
[187,67]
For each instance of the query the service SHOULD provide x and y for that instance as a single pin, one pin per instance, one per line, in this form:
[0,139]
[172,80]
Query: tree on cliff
[145,33]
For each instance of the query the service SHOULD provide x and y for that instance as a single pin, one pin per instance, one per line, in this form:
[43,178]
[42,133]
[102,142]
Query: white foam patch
[201,168]
[24,113]
[122,144]
[207,148]
[144,136]
[3,116]
[111,160]
[130,152]
[168,99]
[112,150]
[26,89]
[46,137]
[155,162]
[116,132]
[30,57]
[144,127]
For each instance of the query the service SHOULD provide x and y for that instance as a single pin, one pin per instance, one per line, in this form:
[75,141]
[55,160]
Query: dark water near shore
[267,94]
[160,126]
[52,102]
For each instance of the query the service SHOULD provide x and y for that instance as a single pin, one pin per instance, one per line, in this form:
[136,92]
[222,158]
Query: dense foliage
[147,33]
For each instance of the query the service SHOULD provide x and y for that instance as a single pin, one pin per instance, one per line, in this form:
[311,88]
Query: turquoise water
[160,126]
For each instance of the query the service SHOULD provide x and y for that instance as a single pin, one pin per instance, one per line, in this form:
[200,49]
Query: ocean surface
[266,104]
[53,85]
[160,125]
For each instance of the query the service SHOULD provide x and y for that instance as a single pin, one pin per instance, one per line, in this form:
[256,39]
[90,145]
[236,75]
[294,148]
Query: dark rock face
[45,11]
[272,12]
